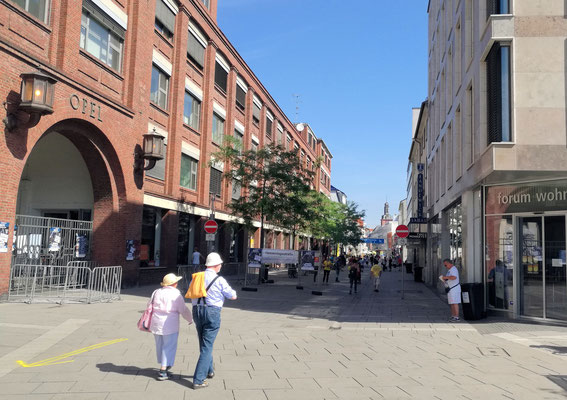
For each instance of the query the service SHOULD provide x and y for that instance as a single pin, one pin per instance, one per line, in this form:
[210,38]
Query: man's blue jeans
[207,321]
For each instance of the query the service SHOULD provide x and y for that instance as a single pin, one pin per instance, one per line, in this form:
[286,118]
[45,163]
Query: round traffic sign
[402,231]
[211,226]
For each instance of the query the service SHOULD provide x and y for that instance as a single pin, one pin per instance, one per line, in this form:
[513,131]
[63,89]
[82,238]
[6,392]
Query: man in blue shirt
[206,316]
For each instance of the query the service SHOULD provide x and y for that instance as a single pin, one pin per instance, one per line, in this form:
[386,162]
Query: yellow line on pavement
[57,359]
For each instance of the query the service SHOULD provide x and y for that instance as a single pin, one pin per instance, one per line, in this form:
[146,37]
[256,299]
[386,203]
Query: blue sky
[358,68]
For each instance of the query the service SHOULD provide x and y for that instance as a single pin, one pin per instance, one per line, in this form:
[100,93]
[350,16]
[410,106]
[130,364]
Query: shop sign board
[526,197]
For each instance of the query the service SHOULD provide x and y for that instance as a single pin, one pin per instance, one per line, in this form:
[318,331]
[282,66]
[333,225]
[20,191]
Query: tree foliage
[336,221]
[276,185]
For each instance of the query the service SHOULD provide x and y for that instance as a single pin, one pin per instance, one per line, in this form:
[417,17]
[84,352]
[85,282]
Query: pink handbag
[146,319]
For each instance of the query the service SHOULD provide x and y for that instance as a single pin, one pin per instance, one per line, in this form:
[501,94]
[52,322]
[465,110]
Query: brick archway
[114,217]
[108,184]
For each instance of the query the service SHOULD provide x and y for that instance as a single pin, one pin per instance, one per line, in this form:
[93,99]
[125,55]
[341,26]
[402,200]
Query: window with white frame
[191,111]
[165,19]
[37,8]
[159,90]
[221,72]
[196,45]
[101,37]
[236,189]
[257,107]
[207,3]
[218,129]
[279,137]
[215,186]
[269,124]
[241,90]
[239,141]
[189,168]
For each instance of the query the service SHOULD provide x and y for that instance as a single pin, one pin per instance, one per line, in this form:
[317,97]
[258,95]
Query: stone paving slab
[281,343]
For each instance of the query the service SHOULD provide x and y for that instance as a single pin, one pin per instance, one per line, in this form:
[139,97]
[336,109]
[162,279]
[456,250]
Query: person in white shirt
[197,257]
[206,315]
[168,305]
[454,286]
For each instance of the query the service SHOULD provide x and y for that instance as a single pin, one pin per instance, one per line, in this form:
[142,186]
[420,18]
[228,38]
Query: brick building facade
[125,68]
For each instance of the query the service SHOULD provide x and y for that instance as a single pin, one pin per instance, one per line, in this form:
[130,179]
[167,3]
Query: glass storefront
[525,248]
[499,261]
[455,229]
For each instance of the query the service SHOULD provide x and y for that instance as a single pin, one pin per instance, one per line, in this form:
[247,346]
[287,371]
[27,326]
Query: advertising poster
[132,250]
[4,228]
[81,245]
[54,239]
[15,240]
[275,256]
[254,258]
[307,261]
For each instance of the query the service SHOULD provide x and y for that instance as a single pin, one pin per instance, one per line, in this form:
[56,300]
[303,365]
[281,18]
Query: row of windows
[189,176]
[103,38]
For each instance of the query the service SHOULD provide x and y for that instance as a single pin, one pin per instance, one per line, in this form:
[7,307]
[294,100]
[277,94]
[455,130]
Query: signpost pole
[402,232]
[403,274]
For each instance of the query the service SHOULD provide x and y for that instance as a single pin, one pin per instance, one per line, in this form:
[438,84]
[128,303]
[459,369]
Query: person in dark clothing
[353,273]
[390,263]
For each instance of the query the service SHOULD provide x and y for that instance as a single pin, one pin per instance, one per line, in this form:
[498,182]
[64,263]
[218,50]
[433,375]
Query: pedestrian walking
[453,288]
[390,263]
[207,317]
[327,264]
[376,271]
[196,257]
[353,273]
[168,305]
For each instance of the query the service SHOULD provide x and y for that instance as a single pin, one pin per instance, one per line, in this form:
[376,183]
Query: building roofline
[424,104]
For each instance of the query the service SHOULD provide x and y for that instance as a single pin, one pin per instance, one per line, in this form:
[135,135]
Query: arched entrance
[70,196]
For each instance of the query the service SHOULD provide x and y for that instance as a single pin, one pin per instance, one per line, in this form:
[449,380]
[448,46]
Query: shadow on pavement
[555,349]
[420,303]
[183,380]
[559,380]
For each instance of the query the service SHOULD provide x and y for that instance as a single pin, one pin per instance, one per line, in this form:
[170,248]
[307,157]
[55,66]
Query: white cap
[213,259]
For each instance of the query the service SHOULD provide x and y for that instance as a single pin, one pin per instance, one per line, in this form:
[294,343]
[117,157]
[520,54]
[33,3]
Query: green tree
[335,221]
[275,186]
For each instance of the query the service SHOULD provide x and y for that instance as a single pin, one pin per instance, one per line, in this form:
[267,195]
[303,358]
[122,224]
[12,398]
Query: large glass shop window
[499,257]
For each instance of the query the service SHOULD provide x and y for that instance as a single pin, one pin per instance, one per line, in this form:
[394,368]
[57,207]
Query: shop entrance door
[542,245]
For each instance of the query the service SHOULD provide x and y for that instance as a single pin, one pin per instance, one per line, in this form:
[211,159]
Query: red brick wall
[108,144]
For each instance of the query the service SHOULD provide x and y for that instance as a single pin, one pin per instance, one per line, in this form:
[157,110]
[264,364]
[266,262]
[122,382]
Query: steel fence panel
[105,284]
[32,239]
[59,284]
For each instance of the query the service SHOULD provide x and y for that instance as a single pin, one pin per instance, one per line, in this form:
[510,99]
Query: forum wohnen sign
[526,197]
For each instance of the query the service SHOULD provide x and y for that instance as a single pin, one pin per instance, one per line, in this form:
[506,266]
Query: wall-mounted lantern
[152,151]
[36,100]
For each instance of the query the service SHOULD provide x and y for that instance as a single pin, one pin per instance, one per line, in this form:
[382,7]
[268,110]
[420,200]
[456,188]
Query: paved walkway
[284,343]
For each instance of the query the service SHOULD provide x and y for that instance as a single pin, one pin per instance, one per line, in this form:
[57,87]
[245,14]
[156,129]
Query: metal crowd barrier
[60,284]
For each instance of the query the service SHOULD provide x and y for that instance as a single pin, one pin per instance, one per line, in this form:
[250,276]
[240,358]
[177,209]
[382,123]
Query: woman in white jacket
[168,305]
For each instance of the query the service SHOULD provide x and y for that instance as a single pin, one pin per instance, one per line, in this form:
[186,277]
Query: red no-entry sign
[211,226]
[402,231]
